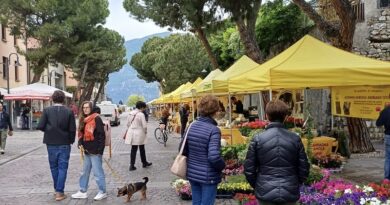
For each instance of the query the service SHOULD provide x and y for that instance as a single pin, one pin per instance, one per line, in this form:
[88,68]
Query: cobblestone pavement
[26,179]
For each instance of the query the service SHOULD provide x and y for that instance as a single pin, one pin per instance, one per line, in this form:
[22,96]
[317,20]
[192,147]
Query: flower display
[182,187]
[244,198]
[246,127]
[328,161]
[291,122]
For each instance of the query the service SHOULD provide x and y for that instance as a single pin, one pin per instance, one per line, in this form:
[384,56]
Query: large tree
[58,26]
[195,16]
[341,31]
[244,14]
[103,54]
[171,61]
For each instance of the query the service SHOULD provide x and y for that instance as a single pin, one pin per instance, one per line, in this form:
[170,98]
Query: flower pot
[185,197]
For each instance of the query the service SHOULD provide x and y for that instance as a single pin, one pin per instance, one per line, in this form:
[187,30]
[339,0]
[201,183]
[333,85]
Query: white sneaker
[80,195]
[100,196]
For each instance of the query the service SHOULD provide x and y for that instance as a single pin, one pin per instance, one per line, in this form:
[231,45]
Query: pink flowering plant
[182,187]
[338,191]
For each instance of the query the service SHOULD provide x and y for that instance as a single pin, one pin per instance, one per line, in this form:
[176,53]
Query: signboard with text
[360,101]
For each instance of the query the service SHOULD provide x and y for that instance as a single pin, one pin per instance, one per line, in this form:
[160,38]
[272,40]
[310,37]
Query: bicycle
[161,135]
[170,127]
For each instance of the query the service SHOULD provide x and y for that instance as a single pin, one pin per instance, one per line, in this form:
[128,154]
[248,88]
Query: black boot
[133,154]
[143,156]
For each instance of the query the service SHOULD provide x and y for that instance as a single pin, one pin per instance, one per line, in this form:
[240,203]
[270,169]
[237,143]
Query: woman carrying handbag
[202,149]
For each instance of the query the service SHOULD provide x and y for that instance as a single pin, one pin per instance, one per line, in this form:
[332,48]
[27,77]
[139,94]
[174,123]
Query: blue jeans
[387,157]
[59,161]
[203,194]
[94,162]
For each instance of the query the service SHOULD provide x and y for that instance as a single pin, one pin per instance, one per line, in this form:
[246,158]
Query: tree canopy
[171,61]
[133,99]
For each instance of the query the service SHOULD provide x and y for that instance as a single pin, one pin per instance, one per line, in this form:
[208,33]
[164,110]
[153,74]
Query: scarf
[89,127]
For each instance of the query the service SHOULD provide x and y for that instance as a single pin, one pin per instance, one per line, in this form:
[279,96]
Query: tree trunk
[249,40]
[79,84]
[342,37]
[359,141]
[89,91]
[36,78]
[101,86]
[202,37]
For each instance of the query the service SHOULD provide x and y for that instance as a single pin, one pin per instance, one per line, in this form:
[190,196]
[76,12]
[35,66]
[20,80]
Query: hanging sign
[360,101]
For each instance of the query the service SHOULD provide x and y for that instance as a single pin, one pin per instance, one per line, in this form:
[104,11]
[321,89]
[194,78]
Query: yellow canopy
[315,64]
[188,92]
[220,83]
[205,84]
[174,97]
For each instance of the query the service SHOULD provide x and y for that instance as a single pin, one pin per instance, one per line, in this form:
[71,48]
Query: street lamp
[8,63]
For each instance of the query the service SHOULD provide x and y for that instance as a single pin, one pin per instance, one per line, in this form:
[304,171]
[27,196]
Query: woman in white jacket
[136,134]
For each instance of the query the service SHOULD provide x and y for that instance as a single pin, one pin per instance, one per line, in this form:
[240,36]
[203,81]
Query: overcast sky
[128,27]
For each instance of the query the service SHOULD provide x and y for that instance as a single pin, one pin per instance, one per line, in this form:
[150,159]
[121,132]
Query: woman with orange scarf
[91,138]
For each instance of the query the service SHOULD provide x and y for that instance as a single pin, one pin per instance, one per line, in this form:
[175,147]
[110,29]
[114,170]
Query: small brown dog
[131,188]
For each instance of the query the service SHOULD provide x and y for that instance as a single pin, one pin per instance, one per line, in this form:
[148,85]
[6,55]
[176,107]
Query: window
[384,3]
[3,32]
[16,72]
[5,61]
[358,10]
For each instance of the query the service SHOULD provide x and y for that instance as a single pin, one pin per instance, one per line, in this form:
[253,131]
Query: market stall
[34,98]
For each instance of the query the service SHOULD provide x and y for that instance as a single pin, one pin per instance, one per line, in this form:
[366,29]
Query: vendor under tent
[311,63]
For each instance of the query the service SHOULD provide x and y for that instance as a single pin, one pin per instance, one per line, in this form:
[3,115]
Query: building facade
[9,45]
[372,34]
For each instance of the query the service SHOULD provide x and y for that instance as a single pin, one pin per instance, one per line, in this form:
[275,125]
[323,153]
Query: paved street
[25,174]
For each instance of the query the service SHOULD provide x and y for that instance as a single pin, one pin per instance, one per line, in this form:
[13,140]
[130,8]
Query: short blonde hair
[208,106]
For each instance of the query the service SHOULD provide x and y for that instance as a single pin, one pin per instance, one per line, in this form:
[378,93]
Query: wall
[6,48]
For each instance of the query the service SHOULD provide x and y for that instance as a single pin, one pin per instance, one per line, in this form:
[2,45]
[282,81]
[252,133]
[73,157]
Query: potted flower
[182,188]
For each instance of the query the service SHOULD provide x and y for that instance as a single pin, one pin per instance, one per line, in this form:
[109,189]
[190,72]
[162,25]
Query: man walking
[5,128]
[276,163]
[59,125]
[384,120]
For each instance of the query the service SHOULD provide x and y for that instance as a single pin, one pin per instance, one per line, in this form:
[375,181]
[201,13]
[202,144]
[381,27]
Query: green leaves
[133,99]
[176,59]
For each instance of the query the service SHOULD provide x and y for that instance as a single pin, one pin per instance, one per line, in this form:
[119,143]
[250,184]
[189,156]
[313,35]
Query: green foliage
[279,25]
[176,59]
[315,175]
[236,178]
[232,151]
[133,99]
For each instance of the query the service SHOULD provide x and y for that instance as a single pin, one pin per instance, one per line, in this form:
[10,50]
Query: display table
[322,145]
[237,137]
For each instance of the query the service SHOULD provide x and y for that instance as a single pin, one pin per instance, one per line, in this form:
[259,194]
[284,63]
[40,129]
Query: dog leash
[113,172]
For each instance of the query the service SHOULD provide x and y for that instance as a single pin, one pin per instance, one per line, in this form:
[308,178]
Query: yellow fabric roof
[315,64]
[188,93]
[205,84]
[220,83]
[174,97]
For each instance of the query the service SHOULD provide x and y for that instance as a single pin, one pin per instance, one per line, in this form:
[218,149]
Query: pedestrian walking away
[136,135]
[184,113]
[384,120]
[5,128]
[202,148]
[276,163]
[59,127]
[91,140]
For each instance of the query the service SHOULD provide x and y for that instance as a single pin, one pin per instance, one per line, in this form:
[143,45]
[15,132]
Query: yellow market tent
[220,83]
[314,64]
[174,97]
[188,92]
[205,84]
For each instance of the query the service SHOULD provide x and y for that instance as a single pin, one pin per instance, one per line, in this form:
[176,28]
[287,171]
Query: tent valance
[35,91]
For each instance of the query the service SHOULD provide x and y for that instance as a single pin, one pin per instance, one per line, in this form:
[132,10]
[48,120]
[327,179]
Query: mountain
[125,82]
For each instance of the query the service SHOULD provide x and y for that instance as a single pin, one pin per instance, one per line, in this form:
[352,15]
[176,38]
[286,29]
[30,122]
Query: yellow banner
[360,101]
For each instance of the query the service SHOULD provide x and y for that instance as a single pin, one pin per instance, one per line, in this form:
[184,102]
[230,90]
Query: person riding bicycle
[164,119]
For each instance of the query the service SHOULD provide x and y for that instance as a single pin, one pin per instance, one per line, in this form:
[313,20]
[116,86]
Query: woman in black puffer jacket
[276,163]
